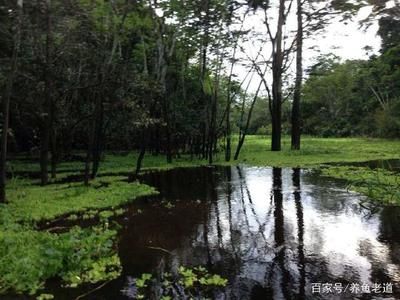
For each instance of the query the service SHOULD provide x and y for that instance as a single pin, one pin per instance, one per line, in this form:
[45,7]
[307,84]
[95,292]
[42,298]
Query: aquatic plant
[378,184]
[196,283]
[28,256]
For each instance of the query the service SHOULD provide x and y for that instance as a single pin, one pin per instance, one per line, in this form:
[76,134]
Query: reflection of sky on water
[336,232]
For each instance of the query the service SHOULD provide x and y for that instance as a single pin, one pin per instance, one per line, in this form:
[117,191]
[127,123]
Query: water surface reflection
[272,232]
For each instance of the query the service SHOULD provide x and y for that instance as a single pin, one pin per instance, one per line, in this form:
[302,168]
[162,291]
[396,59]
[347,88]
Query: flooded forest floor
[65,238]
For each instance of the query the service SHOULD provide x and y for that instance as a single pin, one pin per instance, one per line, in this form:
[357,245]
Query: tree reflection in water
[270,232]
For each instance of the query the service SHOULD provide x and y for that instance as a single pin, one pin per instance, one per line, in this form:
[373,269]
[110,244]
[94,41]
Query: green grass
[316,151]
[30,202]
[256,151]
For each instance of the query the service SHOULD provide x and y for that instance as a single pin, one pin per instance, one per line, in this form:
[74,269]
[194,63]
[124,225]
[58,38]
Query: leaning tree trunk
[6,103]
[296,117]
[243,131]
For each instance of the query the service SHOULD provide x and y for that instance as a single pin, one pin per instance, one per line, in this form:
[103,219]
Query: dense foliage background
[158,77]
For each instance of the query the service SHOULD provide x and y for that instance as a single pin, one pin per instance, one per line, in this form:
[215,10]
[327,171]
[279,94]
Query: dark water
[271,232]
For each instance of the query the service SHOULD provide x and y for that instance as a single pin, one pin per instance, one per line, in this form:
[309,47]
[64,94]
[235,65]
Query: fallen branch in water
[161,249]
[56,228]
[91,291]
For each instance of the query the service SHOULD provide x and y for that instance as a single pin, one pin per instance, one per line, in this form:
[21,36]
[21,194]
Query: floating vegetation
[28,256]
[167,204]
[45,297]
[378,184]
[190,283]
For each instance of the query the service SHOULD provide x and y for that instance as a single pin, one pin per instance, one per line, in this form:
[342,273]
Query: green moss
[378,184]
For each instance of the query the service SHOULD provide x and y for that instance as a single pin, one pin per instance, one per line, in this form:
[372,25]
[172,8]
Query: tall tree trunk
[277,65]
[212,133]
[48,117]
[279,233]
[141,154]
[164,55]
[213,140]
[206,126]
[6,103]
[93,154]
[296,114]
[91,139]
[228,149]
[44,152]
[167,128]
[98,134]
[54,154]
[300,231]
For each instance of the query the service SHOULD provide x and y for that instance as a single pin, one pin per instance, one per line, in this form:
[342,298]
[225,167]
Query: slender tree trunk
[87,166]
[276,127]
[53,140]
[300,231]
[164,56]
[206,98]
[168,130]
[279,233]
[204,148]
[214,107]
[54,154]
[277,65]
[91,141]
[98,133]
[6,103]
[296,114]
[141,154]
[44,153]
[48,117]
[228,150]
[212,135]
